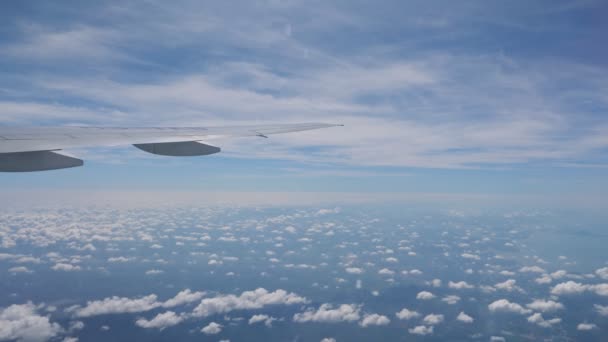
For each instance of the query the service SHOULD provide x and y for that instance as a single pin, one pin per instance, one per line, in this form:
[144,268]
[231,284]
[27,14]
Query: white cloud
[586,326]
[328,339]
[600,309]
[248,300]
[386,271]
[24,324]
[160,321]
[267,320]
[118,305]
[470,256]
[451,299]
[65,267]
[460,285]
[531,269]
[20,269]
[327,314]
[569,287]
[433,319]
[212,329]
[183,297]
[463,317]
[507,285]
[406,314]
[425,295]
[538,319]
[545,305]
[503,305]
[374,319]
[602,273]
[421,330]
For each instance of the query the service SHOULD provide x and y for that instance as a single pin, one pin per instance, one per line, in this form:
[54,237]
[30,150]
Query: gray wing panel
[36,161]
[179,149]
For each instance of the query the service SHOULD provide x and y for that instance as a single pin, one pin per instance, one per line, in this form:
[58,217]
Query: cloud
[545,305]
[248,300]
[507,285]
[586,326]
[183,297]
[460,285]
[503,305]
[328,339]
[451,299]
[600,309]
[267,320]
[65,267]
[571,287]
[160,321]
[374,319]
[421,330]
[24,324]
[20,269]
[406,314]
[602,273]
[531,269]
[463,317]
[433,319]
[354,270]
[327,314]
[118,305]
[425,295]
[212,329]
[470,256]
[538,319]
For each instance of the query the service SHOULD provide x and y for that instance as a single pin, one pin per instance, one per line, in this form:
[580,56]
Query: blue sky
[444,97]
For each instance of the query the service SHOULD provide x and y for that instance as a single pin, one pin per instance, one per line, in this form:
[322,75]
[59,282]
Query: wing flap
[179,149]
[36,161]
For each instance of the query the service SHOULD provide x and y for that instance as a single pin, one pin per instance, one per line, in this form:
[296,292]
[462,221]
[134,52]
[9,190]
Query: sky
[485,97]
[464,199]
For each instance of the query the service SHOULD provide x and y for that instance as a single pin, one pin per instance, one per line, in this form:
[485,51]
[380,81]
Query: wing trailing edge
[36,161]
[179,149]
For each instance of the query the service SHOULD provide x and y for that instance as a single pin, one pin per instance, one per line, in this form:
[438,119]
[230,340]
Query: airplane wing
[35,149]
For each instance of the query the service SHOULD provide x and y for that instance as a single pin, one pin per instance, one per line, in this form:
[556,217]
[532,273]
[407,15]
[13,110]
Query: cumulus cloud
[425,295]
[571,287]
[267,320]
[406,314]
[538,319]
[463,317]
[248,300]
[586,326]
[433,319]
[65,267]
[421,330]
[160,321]
[183,297]
[470,256]
[212,329]
[531,269]
[374,319]
[601,309]
[327,314]
[20,269]
[117,305]
[507,285]
[460,285]
[24,324]
[503,305]
[545,305]
[354,270]
[602,273]
[451,299]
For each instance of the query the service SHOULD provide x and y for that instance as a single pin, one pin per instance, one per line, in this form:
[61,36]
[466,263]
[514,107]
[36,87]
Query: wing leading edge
[34,149]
